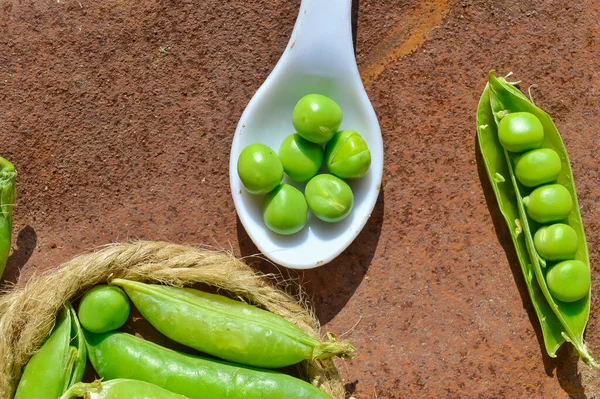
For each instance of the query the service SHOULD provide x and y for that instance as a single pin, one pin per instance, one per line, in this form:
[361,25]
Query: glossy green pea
[520,131]
[329,198]
[103,308]
[347,155]
[119,389]
[285,210]
[549,203]
[58,364]
[538,167]
[117,355]
[301,159]
[229,329]
[569,280]
[316,118]
[556,242]
[259,169]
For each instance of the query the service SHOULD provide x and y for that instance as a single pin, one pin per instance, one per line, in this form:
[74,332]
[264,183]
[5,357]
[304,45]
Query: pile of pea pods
[530,174]
[246,343]
[316,119]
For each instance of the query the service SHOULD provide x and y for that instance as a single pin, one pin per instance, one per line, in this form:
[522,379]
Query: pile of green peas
[548,204]
[316,119]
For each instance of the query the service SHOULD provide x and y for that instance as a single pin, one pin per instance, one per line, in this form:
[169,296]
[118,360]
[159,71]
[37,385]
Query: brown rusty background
[119,115]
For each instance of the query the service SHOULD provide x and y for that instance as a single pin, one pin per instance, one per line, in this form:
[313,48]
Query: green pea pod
[119,389]
[117,355]
[8,195]
[229,329]
[58,364]
[560,321]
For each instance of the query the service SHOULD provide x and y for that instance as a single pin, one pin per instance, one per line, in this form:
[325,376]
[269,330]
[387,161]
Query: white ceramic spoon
[319,58]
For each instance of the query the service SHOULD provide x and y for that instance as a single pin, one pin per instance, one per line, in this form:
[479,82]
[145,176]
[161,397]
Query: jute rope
[28,313]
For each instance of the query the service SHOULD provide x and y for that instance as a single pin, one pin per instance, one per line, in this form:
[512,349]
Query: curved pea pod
[560,321]
[228,329]
[8,195]
[117,355]
[119,389]
[58,364]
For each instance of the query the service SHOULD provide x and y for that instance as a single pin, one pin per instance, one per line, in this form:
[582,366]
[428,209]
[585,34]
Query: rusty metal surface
[119,116]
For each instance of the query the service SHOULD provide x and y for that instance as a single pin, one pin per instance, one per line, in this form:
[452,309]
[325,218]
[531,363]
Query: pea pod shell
[573,316]
[119,389]
[8,195]
[499,176]
[78,342]
[229,329]
[117,355]
[57,364]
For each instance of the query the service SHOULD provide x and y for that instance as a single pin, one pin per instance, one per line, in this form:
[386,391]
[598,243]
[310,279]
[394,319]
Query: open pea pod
[58,364]
[499,175]
[560,321]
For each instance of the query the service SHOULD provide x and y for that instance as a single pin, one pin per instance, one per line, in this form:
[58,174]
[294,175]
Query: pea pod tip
[333,347]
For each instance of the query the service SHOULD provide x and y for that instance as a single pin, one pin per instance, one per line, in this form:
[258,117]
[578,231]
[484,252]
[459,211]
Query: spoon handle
[322,38]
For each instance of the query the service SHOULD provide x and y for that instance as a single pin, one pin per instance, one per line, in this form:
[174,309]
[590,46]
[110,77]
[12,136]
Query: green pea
[520,131]
[569,280]
[347,155]
[226,328]
[556,242]
[538,167]
[549,203]
[103,308]
[285,210]
[117,355]
[329,198]
[259,169]
[119,389]
[316,118]
[301,159]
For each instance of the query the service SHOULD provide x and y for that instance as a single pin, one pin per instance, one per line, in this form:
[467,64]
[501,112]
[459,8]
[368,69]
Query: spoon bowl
[319,59]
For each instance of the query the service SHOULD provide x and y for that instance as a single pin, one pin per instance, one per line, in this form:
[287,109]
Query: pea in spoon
[319,58]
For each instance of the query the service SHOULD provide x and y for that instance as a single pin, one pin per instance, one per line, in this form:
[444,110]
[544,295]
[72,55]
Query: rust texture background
[119,115]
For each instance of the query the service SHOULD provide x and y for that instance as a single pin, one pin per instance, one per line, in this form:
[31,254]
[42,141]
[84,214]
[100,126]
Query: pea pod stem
[8,194]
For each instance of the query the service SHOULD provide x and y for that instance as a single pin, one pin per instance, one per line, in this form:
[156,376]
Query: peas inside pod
[569,280]
[556,242]
[531,176]
[549,203]
[317,140]
[537,167]
[520,131]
